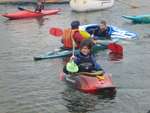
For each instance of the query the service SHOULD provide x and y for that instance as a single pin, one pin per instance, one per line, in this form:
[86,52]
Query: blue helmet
[75,24]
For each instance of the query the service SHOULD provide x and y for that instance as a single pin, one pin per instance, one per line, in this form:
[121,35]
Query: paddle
[59,32]
[23,9]
[115,48]
[56,31]
[71,65]
[96,73]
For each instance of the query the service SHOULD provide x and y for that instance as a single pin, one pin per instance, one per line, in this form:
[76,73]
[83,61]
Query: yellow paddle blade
[72,67]
[85,34]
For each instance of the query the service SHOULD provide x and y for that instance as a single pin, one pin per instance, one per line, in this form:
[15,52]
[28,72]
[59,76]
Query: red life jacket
[68,37]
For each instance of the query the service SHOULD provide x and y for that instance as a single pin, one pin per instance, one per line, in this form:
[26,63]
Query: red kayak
[30,14]
[88,84]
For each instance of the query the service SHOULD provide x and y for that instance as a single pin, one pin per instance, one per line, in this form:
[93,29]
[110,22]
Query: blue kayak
[115,32]
[138,18]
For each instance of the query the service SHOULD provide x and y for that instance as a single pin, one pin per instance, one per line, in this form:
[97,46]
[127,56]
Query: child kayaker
[39,6]
[72,33]
[85,60]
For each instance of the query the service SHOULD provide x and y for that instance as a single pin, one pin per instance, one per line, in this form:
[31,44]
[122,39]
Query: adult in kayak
[71,34]
[84,59]
[39,5]
[102,31]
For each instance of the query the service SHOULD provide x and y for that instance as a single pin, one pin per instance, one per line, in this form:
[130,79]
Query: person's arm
[78,37]
[96,65]
[76,59]
[108,33]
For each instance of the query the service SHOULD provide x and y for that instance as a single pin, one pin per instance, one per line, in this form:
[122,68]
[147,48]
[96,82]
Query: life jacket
[85,63]
[68,37]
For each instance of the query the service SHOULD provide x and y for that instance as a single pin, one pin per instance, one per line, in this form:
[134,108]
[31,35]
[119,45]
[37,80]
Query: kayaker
[72,34]
[85,59]
[102,32]
[39,6]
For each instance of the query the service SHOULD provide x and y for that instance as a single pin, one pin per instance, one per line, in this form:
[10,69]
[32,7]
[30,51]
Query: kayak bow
[139,18]
[89,84]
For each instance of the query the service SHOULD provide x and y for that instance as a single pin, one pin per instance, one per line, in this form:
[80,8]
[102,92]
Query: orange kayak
[91,84]
[30,14]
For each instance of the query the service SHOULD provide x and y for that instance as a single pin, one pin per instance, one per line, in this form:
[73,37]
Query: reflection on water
[78,102]
[40,21]
[115,56]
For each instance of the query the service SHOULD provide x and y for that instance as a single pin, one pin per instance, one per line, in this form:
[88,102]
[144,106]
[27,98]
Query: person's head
[40,1]
[103,25]
[75,24]
[86,46]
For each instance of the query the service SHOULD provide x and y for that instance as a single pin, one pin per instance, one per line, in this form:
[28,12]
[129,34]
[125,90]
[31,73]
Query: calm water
[34,87]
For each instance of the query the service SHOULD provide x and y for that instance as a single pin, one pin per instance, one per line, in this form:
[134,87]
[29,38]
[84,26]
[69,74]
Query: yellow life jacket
[68,37]
[85,34]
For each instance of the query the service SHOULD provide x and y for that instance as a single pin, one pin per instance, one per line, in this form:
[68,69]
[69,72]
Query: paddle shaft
[22,9]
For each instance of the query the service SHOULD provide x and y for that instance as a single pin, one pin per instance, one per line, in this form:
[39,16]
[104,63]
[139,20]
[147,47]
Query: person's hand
[72,57]
[94,41]
[92,36]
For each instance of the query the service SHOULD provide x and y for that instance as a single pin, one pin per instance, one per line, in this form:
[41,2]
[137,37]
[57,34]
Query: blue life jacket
[86,63]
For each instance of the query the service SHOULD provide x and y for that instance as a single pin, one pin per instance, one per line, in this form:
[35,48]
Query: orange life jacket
[68,37]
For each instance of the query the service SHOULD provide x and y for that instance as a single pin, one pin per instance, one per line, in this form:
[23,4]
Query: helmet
[75,24]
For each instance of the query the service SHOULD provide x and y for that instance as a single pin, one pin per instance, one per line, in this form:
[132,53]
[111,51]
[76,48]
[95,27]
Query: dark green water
[34,87]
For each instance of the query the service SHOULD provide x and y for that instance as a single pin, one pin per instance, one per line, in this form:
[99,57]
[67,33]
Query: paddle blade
[115,48]
[56,31]
[72,67]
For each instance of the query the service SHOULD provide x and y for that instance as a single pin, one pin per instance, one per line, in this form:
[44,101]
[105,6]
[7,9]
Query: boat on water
[60,53]
[31,1]
[115,32]
[21,14]
[116,35]
[90,5]
[139,18]
[92,83]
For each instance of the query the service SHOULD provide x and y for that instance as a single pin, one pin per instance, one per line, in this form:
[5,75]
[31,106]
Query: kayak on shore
[30,14]
[139,18]
[90,82]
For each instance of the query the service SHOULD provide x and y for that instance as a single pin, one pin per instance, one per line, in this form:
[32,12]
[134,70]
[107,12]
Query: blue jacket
[102,34]
[86,63]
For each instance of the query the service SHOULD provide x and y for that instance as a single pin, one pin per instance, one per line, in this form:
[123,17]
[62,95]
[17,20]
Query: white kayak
[90,5]
[115,32]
